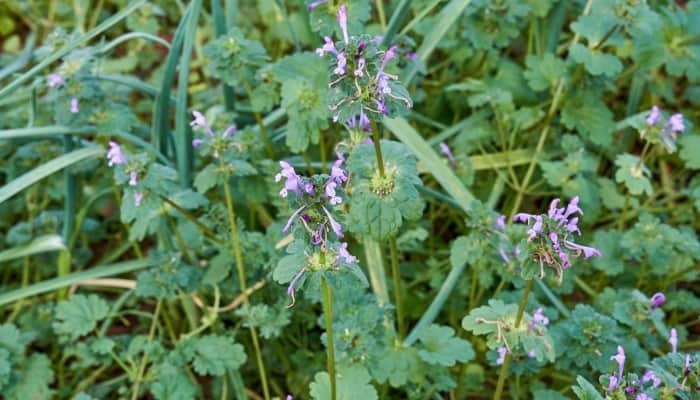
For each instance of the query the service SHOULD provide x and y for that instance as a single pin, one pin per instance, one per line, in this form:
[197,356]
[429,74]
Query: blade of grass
[161,114]
[41,244]
[21,60]
[24,181]
[375,268]
[133,35]
[68,47]
[397,18]
[449,14]
[133,83]
[50,285]
[220,30]
[183,131]
[433,163]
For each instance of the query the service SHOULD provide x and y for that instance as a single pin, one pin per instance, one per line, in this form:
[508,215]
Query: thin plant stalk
[506,363]
[144,359]
[263,132]
[378,148]
[327,295]
[396,277]
[238,255]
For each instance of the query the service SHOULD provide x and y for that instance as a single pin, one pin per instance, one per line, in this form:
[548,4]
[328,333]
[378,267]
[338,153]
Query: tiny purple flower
[572,226]
[115,155]
[342,63]
[675,123]
[500,222]
[74,105]
[523,217]
[619,358]
[388,56]
[673,340]
[364,122]
[412,56]
[138,197]
[343,22]
[291,219]
[650,376]
[201,121]
[613,384]
[536,228]
[572,208]
[314,5]
[328,47]
[293,284]
[538,319]
[289,396]
[344,255]
[658,300]
[445,150]
[330,192]
[309,188]
[338,175]
[55,80]
[360,67]
[230,131]
[337,228]
[654,116]
[502,351]
[196,143]
[643,396]
[532,353]
[133,178]
[686,367]
[588,252]
[292,180]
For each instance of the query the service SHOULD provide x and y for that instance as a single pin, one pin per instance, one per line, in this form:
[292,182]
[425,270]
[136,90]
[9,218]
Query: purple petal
[654,116]
[337,228]
[291,219]
[343,22]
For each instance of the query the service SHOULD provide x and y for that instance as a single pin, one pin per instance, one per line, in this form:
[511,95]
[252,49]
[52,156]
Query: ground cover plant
[386,199]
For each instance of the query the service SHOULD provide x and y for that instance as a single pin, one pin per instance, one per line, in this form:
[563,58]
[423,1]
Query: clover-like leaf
[440,346]
[79,315]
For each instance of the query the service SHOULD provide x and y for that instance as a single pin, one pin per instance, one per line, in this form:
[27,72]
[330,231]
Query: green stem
[506,362]
[328,314]
[396,277]
[261,125]
[144,359]
[238,255]
[378,148]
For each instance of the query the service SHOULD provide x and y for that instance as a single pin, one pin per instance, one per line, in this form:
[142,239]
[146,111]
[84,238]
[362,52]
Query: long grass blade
[72,279]
[41,244]
[47,169]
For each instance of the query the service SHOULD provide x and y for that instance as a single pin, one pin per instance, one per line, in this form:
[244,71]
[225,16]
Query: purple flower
[658,300]
[74,105]
[619,358]
[289,396]
[650,376]
[502,351]
[388,56]
[613,383]
[338,175]
[686,367]
[328,47]
[588,252]
[342,63]
[536,228]
[312,6]
[363,122]
[309,188]
[292,180]
[360,67]
[230,131]
[55,80]
[196,143]
[445,150]
[138,197]
[675,123]
[538,319]
[133,178]
[500,222]
[337,228]
[412,56]
[673,340]
[293,284]
[115,155]
[291,219]
[201,121]
[654,116]
[572,226]
[572,208]
[532,353]
[330,192]
[344,255]
[643,396]
[523,217]
[343,22]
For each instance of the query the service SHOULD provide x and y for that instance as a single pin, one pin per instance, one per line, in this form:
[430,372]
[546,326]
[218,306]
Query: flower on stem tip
[292,286]
[343,22]
[133,178]
[667,133]
[292,181]
[657,300]
[650,376]
[201,121]
[502,351]
[538,319]
[74,106]
[115,155]
[445,150]
[673,340]
[549,236]
[620,359]
[55,80]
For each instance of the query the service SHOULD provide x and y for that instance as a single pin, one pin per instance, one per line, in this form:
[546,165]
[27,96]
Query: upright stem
[396,277]
[327,296]
[261,125]
[378,148]
[144,359]
[506,362]
[236,247]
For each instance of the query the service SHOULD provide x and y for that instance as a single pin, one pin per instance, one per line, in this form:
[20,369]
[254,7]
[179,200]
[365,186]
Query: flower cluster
[664,133]
[56,80]
[116,157]
[362,88]
[218,143]
[316,199]
[549,234]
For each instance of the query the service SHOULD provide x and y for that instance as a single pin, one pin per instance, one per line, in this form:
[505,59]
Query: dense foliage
[390,199]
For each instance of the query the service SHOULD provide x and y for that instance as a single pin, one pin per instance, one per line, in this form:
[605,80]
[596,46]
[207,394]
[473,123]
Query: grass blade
[72,279]
[183,131]
[21,60]
[448,16]
[108,23]
[444,175]
[375,268]
[220,29]
[47,169]
[396,19]
[41,244]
